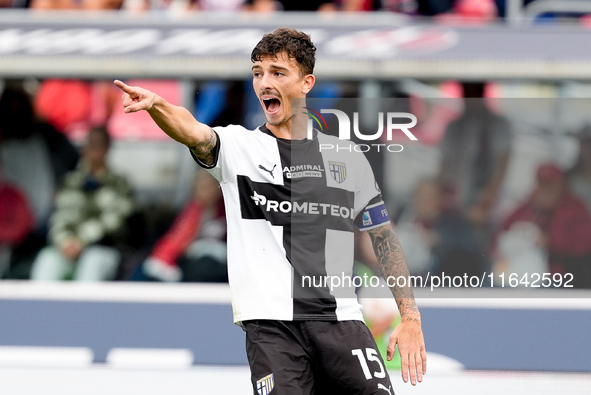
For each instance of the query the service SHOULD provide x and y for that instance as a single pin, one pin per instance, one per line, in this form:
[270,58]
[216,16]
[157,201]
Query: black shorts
[314,357]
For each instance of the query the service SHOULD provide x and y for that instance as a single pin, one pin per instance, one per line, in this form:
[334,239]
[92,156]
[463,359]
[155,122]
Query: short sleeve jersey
[292,208]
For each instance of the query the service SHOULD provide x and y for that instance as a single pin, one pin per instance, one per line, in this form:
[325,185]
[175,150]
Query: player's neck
[295,128]
[282,131]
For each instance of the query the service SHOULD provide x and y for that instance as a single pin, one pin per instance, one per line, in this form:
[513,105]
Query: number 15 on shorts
[370,355]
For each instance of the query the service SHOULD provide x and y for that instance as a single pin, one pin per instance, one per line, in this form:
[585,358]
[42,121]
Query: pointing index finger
[124,87]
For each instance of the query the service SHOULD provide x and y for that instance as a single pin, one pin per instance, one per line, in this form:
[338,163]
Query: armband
[374,216]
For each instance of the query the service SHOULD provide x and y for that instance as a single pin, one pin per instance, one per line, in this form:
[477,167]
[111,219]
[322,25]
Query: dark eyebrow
[273,67]
[276,67]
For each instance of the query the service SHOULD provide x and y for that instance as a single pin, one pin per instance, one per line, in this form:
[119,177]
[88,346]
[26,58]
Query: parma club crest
[266,384]
[338,171]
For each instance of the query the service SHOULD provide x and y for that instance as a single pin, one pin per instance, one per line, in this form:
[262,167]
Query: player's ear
[307,83]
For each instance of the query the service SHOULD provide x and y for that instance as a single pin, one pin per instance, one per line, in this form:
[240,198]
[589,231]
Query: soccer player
[291,210]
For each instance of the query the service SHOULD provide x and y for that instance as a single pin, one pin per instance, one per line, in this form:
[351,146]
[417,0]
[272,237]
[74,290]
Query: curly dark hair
[296,44]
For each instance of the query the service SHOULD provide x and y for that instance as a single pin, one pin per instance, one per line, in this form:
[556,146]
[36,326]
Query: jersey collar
[263,128]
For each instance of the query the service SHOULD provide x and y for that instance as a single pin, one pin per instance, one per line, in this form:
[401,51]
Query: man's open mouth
[272,104]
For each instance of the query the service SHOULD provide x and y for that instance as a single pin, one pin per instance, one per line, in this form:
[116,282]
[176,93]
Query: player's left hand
[408,335]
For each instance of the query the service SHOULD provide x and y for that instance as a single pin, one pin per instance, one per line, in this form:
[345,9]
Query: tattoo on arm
[393,264]
[205,151]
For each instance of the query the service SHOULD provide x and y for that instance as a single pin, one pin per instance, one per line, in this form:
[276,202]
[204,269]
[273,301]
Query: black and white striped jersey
[291,211]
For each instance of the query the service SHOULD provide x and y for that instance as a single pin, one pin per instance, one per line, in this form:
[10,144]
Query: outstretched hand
[135,98]
[411,345]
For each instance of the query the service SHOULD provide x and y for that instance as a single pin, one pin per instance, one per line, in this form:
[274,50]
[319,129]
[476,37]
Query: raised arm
[408,334]
[175,121]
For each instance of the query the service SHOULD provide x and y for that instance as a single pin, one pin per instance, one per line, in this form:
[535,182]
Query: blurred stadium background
[144,337]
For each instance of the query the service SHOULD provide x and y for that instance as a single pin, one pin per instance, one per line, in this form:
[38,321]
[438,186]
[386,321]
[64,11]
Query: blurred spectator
[16,220]
[399,6]
[359,5]
[89,219]
[74,106]
[101,5]
[65,104]
[409,7]
[14,3]
[139,126]
[52,4]
[435,238]
[182,6]
[481,10]
[474,9]
[218,5]
[550,232]
[76,4]
[35,156]
[475,153]
[194,249]
[442,234]
[221,102]
[434,7]
[289,5]
[579,176]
